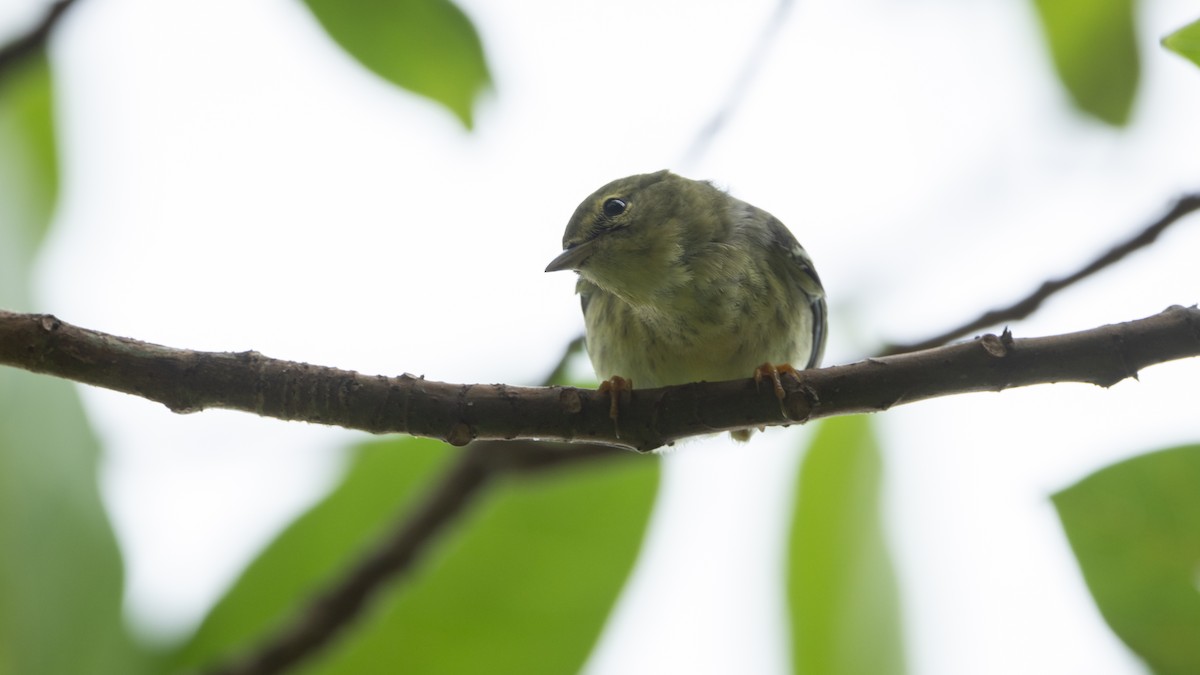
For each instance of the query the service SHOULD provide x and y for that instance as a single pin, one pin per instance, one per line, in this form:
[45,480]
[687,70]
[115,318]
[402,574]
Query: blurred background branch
[752,64]
[34,41]
[1029,304]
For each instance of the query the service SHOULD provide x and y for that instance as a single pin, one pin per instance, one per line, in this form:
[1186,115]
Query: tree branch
[34,41]
[1027,305]
[189,381]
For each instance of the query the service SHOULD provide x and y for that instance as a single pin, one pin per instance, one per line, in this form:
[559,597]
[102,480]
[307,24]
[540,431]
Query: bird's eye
[614,207]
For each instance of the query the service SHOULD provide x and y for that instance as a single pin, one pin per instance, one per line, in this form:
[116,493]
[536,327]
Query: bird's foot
[614,387]
[772,371]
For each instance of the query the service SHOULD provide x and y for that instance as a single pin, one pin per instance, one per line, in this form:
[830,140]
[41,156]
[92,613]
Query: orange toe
[614,387]
[773,371]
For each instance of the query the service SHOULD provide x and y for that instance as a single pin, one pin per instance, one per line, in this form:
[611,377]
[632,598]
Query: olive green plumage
[680,282]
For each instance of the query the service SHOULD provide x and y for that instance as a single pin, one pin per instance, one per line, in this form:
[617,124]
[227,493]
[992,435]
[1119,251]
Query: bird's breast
[708,335]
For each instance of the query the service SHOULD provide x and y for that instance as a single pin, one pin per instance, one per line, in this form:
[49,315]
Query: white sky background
[234,181]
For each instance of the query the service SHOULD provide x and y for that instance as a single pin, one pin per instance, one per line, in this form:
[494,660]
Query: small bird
[681,282]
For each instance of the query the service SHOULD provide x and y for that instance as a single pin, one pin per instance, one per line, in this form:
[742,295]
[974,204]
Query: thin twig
[737,91]
[33,41]
[336,608]
[1027,305]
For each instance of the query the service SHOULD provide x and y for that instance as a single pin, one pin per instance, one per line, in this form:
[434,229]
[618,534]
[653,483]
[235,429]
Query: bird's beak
[571,258]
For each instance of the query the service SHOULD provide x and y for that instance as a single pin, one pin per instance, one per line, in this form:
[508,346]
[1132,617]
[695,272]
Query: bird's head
[635,236]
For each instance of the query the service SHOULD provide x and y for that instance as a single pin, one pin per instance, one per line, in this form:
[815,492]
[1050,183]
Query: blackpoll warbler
[681,282]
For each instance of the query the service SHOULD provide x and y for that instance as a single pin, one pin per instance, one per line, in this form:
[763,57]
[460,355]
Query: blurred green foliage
[1135,529]
[522,583]
[526,580]
[28,173]
[426,46]
[60,572]
[1185,42]
[1094,47]
[842,592]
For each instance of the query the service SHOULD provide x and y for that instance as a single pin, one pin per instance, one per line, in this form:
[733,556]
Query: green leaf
[60,571]
[1185,42]
[842,591]
[28,171]
[386,475]
[1135,529]
[426,46]
[524,583]
[1094,47]
[527,588]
